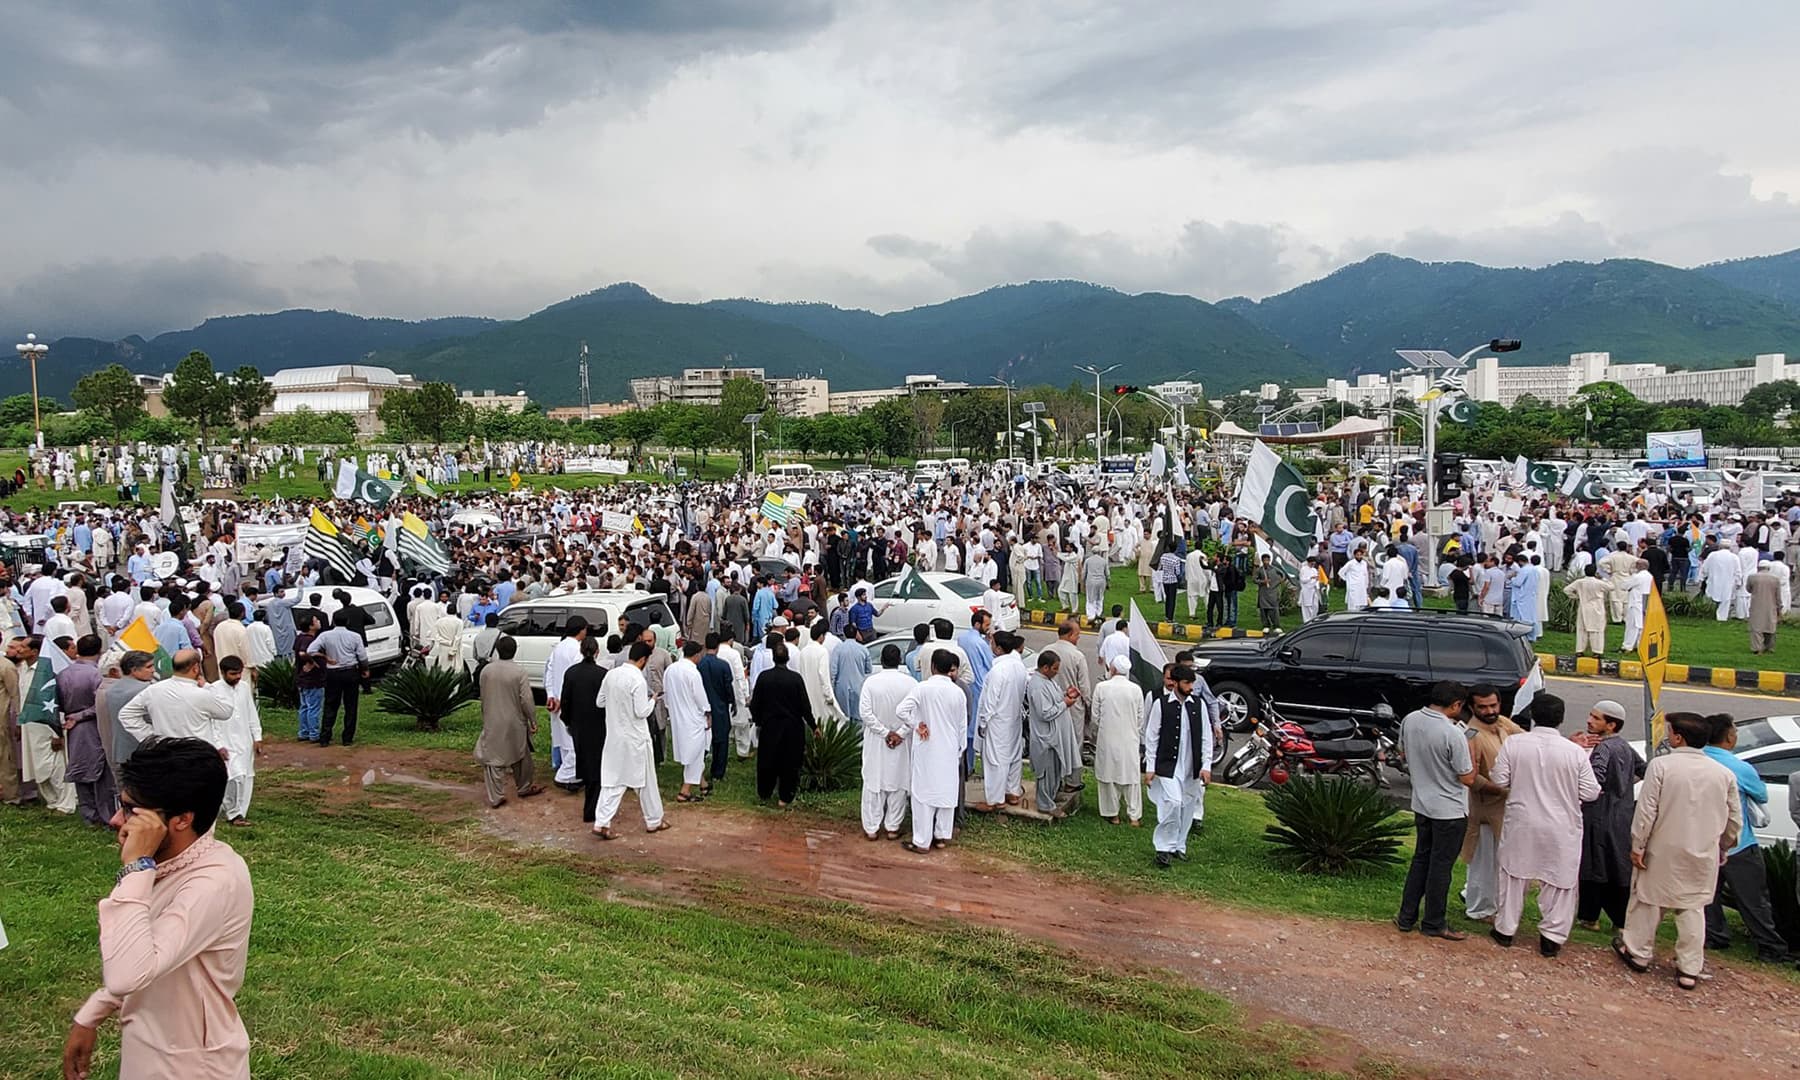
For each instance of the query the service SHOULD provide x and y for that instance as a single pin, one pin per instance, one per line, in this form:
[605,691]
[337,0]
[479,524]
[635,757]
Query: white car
[537,625]
[381,636]
[905,641]
[935,595]
[1772,746]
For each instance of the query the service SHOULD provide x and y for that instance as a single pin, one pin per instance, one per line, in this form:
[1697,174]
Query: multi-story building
[597,410]
[1557,384]
[356,389]
[706,386]
[488,401]
[851,402]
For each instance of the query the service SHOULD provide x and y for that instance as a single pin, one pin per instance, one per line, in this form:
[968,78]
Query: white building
[1367,391]
[356,389]
[851,402]
[488,401]
[1557,384]
[706,386]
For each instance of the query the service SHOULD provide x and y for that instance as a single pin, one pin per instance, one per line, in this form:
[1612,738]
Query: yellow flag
[412,523]
[323,523]
[138,636]
[514,481]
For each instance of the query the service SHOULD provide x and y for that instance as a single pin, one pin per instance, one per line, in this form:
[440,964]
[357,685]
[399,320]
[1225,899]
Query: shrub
[429,694]
[1333,825]
[833,757]
[1562,612]
[276,683]
[1778,860]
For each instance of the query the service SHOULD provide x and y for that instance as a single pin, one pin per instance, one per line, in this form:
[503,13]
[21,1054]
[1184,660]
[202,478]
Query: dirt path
[1467,1009]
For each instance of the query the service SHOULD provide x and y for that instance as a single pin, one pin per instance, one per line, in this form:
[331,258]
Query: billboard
[1675,449]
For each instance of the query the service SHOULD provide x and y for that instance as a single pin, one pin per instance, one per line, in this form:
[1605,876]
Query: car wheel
[1237,704]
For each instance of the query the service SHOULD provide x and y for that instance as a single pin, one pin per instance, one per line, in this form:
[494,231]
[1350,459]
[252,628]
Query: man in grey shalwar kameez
[1606,822]
[77,687]
[1054,747]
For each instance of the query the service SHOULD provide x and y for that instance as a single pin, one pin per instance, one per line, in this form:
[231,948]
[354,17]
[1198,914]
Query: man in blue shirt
[84,537]
[1743,870]
[862,613]
[488,604]
[762,607]
[504,589]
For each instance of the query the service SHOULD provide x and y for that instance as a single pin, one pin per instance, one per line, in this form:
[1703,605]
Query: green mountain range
[1034,333]
[1354,319]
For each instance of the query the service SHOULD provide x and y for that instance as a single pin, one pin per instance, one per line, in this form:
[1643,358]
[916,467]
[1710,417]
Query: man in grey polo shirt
[1437,760]
[346,663]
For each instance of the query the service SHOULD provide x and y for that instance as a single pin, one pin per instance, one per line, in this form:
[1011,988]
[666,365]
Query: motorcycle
[1278,748]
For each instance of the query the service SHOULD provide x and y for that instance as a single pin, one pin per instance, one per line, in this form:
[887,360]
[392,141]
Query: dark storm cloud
[110,299]
[293,81]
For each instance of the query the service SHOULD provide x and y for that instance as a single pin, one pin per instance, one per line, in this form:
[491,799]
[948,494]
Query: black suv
[1360,659]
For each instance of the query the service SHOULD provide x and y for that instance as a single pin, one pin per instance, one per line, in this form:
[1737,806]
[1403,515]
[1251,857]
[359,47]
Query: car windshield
[965,587]
[1756,734]
[379,615]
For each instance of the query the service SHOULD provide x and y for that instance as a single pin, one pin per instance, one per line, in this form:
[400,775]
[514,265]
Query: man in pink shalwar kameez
[175,932]
[1548,778]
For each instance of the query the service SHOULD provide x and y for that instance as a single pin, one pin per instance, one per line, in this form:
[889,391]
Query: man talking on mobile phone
[175,931]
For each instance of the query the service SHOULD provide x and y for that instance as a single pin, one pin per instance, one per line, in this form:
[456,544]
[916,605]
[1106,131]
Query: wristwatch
[143,862]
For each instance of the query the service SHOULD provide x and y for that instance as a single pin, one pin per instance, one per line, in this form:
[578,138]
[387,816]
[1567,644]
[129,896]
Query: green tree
[17,409]
[798,433]
[113,395]
[249,394]
[979,415]
[396,414]
[306,426]
[739,398]
[835,435]
[195,393]
[688,426]
[431,412]
[893,422]
[637,427]
[1619,418]
[1770,400]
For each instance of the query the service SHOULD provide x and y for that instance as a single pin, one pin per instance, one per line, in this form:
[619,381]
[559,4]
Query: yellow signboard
[1653,653]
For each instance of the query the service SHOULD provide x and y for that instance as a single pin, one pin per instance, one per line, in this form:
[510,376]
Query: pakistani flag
[138,637]
[420,549]
[1147,657]
[353,483]
[1583,486]
[324,541]
[40,704]
[1535,474]
[1460,411]
[1274,496]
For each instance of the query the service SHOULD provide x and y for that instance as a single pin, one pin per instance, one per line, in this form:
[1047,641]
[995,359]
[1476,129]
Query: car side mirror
[1287,654]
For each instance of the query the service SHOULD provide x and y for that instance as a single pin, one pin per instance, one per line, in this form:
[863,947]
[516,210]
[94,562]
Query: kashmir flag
[39,705]
[367,533]
[418,547]
[1451,382]
[775,508]
[1268,495]
[138,638]
[324,541]
[420,486]
[1147,656]
[353,483]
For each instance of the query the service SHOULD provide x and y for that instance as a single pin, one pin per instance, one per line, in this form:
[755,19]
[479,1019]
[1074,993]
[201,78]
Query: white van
[794,471]
[381,636]
[537,625]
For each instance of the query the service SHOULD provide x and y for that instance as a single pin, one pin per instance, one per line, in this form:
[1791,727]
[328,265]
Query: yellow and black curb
[1774,682]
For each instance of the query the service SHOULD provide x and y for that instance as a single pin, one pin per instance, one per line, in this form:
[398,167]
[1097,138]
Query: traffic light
[1120,390]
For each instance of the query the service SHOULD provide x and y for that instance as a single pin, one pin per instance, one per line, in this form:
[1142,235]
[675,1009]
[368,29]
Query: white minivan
[537,625]
[381,636]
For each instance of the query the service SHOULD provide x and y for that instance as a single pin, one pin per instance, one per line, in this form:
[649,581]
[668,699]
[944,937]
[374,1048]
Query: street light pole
[1009,427]
[1099,439]
[753,419]
[31,348]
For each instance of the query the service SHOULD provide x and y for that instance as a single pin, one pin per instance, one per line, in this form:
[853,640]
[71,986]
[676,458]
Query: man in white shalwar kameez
[1721,575]
[815,670]
[934,716]
[1118,744]
[243,738]
[1177,772]
[1638,587]
[999,720]
[1547,778]
[625,762]
[886,753]
[446,641]
[566,654]
[1355,575]
[690,718]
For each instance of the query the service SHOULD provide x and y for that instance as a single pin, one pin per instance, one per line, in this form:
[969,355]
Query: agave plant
[1333,825]
[833,759]
[428,694]
[1561,612]
[1778,859]
[276,684]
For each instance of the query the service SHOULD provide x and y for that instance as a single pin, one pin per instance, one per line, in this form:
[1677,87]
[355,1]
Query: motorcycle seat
[1329,729]
[1343,749]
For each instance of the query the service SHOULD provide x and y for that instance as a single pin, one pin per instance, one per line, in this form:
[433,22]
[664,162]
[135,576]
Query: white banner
[253,540]
[616,521]
[604,466]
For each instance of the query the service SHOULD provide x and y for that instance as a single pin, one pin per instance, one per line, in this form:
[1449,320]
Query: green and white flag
[1535,474]
[419,549]
[353,483]
[1582,486]
[40,704]
[1147,656]
[1274,495]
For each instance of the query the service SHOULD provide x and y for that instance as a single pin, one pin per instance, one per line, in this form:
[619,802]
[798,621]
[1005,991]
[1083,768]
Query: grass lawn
[1230,858]
[1703,642]
[388,945]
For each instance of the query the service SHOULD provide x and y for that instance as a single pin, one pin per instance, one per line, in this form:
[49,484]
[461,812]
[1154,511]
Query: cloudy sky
[166,161]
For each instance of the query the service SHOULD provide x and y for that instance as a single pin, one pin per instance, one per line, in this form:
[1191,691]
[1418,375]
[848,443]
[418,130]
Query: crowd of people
[162,627]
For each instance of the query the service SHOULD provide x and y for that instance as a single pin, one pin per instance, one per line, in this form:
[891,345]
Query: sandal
[661,826]
[686,798]
[606,834]
[530,790]
[1686,981]
[914,848]
[1618,948]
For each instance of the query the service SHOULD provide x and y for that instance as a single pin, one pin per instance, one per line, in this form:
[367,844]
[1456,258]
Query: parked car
[1772,746]
[1356,660]
[538,625]
[904,639]
[382,635]
[913,598]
